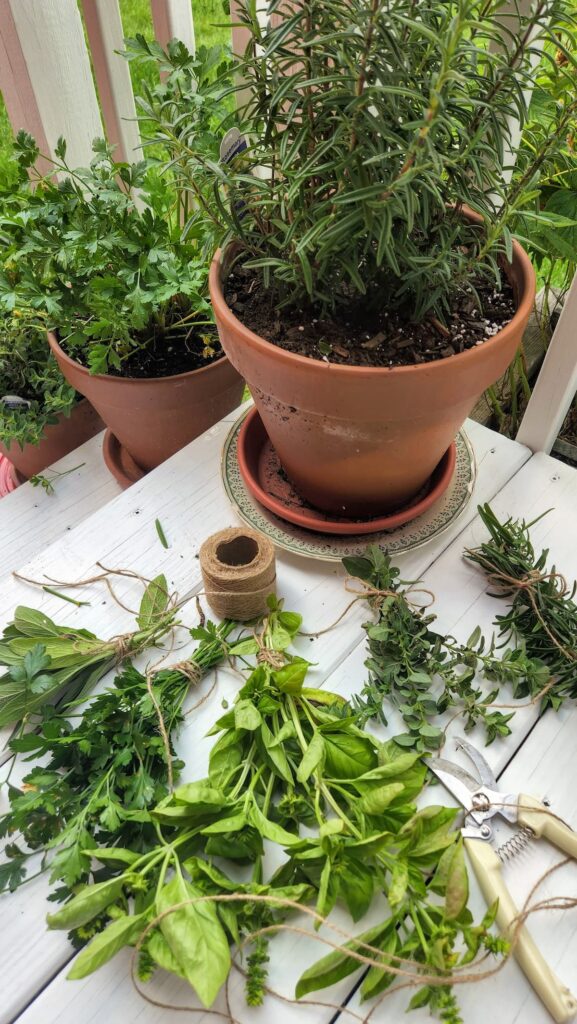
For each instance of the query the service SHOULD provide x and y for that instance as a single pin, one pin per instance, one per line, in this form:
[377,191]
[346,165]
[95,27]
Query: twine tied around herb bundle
[375,598]
[527,584]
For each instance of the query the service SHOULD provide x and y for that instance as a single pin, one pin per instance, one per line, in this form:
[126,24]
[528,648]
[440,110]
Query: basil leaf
[157,947]
[348,756]
[246,716]
[337,965]
[235,823]
[378,979]
[312,758]
[290,678]
[226,755]
[274,753]
[123,932]
[286,732]
[377,800]
[399,882]
[196,939]
[356,887]
[116,855]
[457,885]
[201,795]
[269,830]
[86,905]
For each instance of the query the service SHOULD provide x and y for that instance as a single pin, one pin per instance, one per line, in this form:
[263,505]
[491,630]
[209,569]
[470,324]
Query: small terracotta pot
[361,440]
[154,417]
[58,440]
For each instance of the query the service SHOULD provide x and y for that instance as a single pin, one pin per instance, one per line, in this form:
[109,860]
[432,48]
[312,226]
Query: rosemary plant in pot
[41,417]
[369,287]
[103,254]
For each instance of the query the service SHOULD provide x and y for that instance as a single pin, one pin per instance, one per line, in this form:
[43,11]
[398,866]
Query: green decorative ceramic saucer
[332,548]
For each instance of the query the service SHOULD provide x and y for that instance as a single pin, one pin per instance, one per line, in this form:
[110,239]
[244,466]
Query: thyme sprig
[423,673]
[542,617]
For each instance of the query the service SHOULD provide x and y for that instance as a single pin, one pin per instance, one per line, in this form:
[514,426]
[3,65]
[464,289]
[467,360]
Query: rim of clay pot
[526,301]
[55,346]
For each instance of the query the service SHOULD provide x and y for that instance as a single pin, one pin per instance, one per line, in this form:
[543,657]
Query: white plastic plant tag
[14,402]
[232,144]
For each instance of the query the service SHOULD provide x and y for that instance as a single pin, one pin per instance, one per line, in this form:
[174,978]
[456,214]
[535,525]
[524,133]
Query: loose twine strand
[372,957]
[375,597]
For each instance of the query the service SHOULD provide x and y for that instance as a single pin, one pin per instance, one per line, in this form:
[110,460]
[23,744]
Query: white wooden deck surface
[89,520]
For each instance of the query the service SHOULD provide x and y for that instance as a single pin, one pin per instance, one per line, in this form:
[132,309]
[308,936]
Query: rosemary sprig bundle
[107,768]
[424,674]
[542,617]
[45,660]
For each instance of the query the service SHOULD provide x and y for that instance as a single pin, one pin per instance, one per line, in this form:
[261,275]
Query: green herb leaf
[195,937]
[123,932]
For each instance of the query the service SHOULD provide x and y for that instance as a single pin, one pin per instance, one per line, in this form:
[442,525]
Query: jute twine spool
[239,572]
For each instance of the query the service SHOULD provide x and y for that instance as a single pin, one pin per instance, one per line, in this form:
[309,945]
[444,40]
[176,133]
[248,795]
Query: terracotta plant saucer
[120,463]
[266,480]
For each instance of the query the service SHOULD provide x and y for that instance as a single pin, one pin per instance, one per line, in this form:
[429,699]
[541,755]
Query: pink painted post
[240,39]
[172,19]
[16,86]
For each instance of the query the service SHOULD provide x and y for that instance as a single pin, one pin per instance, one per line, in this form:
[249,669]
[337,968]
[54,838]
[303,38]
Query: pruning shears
[482,801]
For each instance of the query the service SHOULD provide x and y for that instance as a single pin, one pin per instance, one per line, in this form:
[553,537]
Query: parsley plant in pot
[101,252]
[369,287]
[41,417]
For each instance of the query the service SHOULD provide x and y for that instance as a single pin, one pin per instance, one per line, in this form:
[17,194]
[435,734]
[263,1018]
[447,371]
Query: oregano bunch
[423,673]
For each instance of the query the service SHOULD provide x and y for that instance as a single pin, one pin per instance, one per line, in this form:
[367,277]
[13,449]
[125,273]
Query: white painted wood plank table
[187,496]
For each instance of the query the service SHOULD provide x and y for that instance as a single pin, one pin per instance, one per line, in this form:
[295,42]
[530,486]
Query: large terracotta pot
[58,440]
[154,417]
[358,440]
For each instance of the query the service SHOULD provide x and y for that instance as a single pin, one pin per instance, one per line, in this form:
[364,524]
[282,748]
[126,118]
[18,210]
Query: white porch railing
[49,90]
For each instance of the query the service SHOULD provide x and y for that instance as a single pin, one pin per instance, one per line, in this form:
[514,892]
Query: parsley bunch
[106,768]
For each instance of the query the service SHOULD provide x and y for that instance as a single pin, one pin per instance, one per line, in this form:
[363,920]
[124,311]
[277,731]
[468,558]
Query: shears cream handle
[543,823]
[559,1001]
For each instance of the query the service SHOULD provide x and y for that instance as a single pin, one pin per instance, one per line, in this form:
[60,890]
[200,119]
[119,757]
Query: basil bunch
[285,757]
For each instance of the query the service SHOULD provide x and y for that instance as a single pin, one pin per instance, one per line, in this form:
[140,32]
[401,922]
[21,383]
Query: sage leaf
[154,602]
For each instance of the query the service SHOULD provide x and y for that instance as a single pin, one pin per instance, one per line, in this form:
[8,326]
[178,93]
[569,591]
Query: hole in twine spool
[239,572]
[240,550]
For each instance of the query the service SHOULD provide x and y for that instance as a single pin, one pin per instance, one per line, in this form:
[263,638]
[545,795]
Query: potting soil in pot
[364,336]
